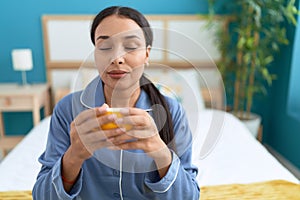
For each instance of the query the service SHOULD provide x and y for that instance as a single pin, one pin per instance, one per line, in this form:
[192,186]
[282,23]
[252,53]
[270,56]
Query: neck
[121,98]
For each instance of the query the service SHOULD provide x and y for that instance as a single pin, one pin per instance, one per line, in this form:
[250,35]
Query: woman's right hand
[86,136]
[86,133]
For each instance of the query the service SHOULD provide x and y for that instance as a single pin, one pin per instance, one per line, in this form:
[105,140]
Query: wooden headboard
[180,41]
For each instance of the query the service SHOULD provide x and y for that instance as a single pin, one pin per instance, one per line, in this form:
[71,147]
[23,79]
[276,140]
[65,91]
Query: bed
[236,157]
[224,150]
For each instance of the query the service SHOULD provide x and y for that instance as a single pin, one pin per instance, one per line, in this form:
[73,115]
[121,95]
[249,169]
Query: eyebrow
[104,37]
[131,36]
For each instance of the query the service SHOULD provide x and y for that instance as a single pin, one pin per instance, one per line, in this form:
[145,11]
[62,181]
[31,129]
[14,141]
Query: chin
[124,85]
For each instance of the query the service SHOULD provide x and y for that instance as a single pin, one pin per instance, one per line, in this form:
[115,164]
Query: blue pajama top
[112,174]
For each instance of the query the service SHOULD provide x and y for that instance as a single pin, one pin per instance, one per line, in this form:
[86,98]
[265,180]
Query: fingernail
[112,117]
[119,120]
[121,130]
[124,110]
[101,109]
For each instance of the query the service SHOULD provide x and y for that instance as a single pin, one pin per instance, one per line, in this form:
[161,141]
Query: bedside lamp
[22,61]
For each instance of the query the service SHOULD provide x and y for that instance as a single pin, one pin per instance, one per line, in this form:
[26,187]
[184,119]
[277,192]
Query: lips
[117,74]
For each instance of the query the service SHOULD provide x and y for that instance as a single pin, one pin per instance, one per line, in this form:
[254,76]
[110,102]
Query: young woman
[147,156]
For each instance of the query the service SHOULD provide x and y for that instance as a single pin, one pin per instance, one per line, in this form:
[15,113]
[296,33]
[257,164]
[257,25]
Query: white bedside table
[18,98]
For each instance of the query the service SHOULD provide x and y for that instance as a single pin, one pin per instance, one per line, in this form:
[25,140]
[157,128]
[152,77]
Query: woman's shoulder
[67,103]
[175,107]
[171,101]
[68,99]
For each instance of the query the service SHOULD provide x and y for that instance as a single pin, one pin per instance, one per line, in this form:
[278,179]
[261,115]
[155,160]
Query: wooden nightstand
[17,98]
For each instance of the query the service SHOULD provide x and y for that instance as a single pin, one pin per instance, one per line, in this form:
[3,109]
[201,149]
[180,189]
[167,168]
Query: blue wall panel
[294,89]
[283,128]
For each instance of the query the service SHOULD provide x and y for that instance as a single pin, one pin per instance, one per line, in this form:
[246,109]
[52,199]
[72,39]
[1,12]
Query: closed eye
[131,48]
[105,48]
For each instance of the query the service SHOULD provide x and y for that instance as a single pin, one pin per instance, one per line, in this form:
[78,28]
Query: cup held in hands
[112,125]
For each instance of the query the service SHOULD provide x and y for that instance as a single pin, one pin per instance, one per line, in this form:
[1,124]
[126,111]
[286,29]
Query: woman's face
[120,52]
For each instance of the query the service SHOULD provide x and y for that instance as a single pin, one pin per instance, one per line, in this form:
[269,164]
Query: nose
[119,60]
[118,56]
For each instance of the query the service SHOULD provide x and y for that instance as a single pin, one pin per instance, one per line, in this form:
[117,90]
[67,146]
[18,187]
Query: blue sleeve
[180,180]
[49,183]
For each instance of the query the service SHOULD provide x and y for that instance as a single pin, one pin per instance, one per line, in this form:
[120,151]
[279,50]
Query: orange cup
[113,125]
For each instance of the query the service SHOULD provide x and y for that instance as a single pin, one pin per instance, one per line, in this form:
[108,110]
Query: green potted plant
[255,33]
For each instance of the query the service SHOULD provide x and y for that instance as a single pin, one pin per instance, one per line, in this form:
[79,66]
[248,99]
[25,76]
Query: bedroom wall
[284,121]
[21,28]
[281,127]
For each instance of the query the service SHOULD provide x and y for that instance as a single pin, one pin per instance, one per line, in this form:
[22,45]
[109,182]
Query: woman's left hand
[142,135]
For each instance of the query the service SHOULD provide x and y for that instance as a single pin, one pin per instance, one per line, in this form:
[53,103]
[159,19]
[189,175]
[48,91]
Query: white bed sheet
[236,158]
[20,167]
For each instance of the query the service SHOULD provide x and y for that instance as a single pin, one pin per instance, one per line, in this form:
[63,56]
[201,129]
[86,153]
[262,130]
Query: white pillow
[183,85]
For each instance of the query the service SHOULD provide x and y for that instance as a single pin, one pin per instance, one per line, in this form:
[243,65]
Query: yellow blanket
[16,195]
[270,190]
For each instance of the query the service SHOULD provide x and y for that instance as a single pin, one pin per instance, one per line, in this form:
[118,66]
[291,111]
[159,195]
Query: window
[294,89]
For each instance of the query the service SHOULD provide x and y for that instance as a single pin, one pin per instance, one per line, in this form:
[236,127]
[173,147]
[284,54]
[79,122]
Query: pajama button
[116,195]
[116,172]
